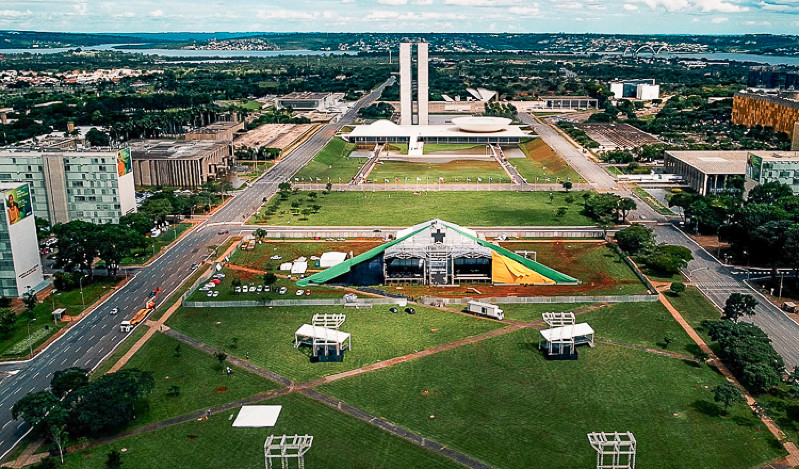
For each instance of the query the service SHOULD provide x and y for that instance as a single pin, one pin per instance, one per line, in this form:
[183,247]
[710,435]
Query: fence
[359,303]
[432,300]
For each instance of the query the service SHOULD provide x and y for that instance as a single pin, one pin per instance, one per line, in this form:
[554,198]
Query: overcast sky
[608,16]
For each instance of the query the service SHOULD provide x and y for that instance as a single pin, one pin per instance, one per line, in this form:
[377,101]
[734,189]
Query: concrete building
[706,172]
[773,78]
[307,101]
[94,186]
[645,90]
[774,166]
[20,264]
[557,103]
[185,164]
[466,130]
[778,112]
[222,131]
[406,84]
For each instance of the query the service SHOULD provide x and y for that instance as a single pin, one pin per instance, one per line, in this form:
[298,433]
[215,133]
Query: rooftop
[216,127]
[305,95]
[777,155]
[173,149]
[385,128]
[714,162]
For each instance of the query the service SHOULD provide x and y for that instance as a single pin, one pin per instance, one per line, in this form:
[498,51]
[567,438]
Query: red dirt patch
[221,389]
[191,437]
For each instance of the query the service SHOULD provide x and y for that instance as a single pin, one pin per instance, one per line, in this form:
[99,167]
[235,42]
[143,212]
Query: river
[178,52]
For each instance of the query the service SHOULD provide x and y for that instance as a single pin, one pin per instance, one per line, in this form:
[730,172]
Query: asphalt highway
[88,342]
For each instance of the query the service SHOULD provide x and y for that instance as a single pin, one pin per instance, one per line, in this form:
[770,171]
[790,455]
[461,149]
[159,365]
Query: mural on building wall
[18,204]
[124,162]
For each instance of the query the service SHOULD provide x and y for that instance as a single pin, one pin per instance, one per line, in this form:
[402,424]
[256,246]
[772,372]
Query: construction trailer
[485,309]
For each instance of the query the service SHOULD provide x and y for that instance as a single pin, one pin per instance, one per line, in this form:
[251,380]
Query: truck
[485,309]
[127,326]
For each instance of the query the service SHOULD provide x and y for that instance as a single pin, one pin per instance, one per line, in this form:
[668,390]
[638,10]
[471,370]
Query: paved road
[717,282]
[86,343]
[586,168]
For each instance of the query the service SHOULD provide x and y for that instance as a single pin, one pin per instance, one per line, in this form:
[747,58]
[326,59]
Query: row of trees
[75,407]
[639,241]
[607,209]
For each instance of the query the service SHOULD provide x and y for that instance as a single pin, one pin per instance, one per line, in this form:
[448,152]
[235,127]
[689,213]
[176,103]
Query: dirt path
[790,447]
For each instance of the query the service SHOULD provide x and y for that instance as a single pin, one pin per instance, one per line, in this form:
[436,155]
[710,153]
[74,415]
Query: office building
[185,164]
[221,131]
[406,84]
[773,78]
[20,265]
[307,101]
[774,166]
[706,172]
[645,90]
[94,186]
[778,112]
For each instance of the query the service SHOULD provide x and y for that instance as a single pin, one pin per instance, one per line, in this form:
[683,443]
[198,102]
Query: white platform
[257,416]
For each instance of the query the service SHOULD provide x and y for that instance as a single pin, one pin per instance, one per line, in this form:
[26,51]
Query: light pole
[80,283]
[30,344]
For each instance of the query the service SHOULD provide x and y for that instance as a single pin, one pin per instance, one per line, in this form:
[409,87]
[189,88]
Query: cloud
[156,14]
[280,14]
[347,1]
[125,14]
[482,3]
[719,20]
[80,9]
[706,6]
[720,6]
[422,2]
[15,13]
[392,2]
[531,10]
[629,7]
[782,7]
[757,23]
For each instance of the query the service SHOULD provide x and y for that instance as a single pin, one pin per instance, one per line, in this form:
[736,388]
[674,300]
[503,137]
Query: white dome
[481,124]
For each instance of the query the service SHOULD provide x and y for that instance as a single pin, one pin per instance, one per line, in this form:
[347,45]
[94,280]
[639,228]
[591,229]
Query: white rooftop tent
[286,266]
[322,336]
[299,267]
[562,340]
[329,259]
[286,447]
[257,416]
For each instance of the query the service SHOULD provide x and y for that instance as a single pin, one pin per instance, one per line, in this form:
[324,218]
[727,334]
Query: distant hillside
[28,39]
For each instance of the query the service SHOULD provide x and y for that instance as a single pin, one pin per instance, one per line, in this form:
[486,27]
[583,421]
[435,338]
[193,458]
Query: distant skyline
[522,16]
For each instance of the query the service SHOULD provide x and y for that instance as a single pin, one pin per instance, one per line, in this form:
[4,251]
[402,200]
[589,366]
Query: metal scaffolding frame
[558,319]
[286,448]
[614,450]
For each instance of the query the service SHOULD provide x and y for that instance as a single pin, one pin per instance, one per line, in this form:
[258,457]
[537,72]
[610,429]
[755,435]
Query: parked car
[259,289]
[252,288]
[216,293]
[283,290]
[299,292]
[267,289]
[237,290]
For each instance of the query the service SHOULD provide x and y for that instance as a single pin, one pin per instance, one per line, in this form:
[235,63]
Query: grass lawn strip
[457,171]
[542,162]
[267,334]
[339,441]
[200,377]
[332,162]
[406,209]
[504,392]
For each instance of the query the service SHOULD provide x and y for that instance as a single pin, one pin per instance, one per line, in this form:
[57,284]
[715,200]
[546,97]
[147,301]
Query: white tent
[329,259]
[562,340]
[286,266]
[322,335]
[257,416]
[299,267]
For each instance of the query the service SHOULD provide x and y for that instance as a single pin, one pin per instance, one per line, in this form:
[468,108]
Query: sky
[577,16]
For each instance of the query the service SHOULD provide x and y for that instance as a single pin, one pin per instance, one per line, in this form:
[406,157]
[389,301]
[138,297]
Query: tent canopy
[567,332]
[322,333]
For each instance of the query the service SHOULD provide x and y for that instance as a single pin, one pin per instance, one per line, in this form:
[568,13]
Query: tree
[108,403]
[221,356]
[115,243]
[759,377]
[113,460]
[30,300]
[727,394]
[7,321]
[769,193]
[677,287]
[635,239]
[667,259]
[96,138]
[33,408]
[139,222]
[260,233]
[64,381]
[157,209]
[270,278]
[567,185]
[561,211]
[738,305]
[77,246]
[43,228]
[178,350]
[626,205]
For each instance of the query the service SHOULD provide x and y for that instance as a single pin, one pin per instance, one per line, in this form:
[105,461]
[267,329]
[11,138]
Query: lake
[179,52]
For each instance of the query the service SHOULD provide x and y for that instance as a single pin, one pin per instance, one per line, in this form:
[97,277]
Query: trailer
[127,326]
[485,309]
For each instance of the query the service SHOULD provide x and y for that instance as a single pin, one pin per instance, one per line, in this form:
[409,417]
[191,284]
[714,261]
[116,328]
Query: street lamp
[30,344]
[80,283]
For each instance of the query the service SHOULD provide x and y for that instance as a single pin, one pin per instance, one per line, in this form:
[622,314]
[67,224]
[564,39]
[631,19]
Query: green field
[332,162]
[267,334]
[500,401]
[201,379]
[533,311]
[542,162]
[406,208]
[458,171]
[339,441]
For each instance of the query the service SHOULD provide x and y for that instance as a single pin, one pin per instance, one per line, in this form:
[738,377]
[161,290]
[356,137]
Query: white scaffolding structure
[558,319]
[286,448]
[329,320]
[613,450]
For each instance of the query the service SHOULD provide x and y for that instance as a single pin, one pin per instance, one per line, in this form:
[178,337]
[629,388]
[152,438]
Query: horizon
[634,17]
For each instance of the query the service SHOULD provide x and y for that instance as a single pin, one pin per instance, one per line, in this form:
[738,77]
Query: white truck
[485,309]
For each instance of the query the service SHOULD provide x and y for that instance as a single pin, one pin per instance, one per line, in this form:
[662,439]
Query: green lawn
[406,208]
[644,324]
[268,334]
[120,351]
[448,147]
[533,311]
[542,162]
[500,401]
[17,345]
[154,245]
[201,379]
[652,201]
[332,162]
[458,171]
[695,308]
[339,441]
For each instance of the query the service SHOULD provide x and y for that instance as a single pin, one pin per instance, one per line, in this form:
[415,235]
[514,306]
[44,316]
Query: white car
[267,289]
[252,288]
[283,290]
[260,288]
[276,257]
[216,293]
[300,292]
[237,290]
[209,294]
[115,311]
